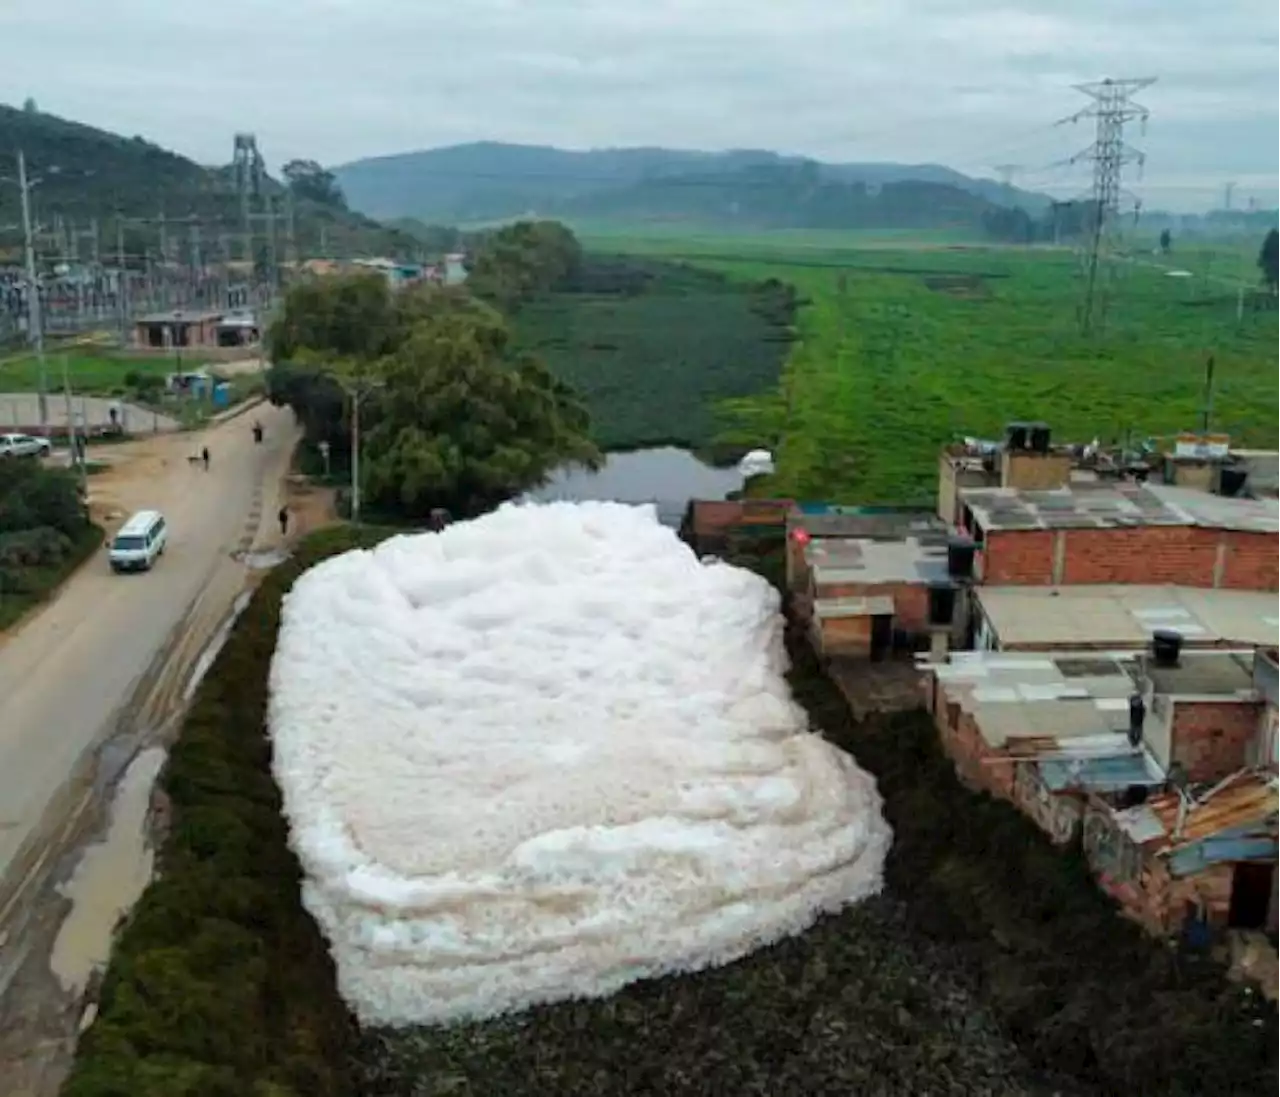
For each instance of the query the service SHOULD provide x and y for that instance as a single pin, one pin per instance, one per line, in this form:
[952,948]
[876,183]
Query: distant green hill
[491,180]
[88,174]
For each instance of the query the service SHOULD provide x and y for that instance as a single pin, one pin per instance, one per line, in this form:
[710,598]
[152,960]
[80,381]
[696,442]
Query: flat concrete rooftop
[1110,505]
[1124,616]
[1036,704]
[863,560]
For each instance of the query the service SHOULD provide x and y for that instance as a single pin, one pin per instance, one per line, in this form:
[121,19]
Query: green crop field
[905,348]
[89,373]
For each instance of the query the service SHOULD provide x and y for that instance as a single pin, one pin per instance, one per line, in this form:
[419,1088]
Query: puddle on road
[112,874]
[108,880]
[210,653]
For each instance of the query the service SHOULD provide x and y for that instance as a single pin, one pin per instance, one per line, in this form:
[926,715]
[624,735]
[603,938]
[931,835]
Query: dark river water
[667,477]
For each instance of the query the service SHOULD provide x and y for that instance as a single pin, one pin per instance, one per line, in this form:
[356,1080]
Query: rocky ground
[862,1004]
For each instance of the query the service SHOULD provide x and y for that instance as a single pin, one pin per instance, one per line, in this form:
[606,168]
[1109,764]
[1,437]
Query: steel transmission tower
[249,176]
[1112,107]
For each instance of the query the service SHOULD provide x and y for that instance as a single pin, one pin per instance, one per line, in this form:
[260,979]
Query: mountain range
[87,176]
[491,180]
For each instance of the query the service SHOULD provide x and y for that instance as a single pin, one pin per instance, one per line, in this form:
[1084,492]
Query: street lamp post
[35,321]
[357,389]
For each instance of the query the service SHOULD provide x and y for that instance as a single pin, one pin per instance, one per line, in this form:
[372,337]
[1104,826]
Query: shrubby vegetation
[452,414]
[45,534]
[654,347]
[220,984]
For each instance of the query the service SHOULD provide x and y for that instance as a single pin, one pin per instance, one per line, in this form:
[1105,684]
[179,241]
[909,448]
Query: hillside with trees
[88,175]
[492,181]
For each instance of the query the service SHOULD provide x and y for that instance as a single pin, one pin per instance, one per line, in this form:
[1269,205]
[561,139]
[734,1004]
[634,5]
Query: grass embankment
[902,351]
[220,984]
[655,347]
[30,582]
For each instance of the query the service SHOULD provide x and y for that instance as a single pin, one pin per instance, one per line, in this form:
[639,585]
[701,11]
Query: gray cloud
[966,82]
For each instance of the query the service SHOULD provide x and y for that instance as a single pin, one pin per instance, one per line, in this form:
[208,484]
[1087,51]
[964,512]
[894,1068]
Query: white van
[140,540]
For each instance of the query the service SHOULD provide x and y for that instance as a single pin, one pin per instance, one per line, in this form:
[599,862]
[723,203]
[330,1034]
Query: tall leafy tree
[307,179]
[453,417]
[1269,261]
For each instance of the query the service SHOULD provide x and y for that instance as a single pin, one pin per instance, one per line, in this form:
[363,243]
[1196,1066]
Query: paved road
[65,675]
[21,411]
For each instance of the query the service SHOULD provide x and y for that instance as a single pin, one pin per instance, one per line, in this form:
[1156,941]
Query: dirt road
[67,676]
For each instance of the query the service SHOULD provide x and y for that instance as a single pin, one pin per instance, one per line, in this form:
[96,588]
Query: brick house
[709,524]
[1211,856]
[1122,533]
[1058,735]
[872,582]
[179,328]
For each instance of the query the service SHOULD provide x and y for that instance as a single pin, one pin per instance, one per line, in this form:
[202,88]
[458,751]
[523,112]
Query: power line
[1111,108]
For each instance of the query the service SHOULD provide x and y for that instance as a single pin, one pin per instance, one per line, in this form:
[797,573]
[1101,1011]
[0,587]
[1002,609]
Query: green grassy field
[905,348]
[89,373]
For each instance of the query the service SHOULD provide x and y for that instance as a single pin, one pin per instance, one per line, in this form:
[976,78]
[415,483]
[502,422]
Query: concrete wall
[1057,814]
[1182,555]
[1213,739]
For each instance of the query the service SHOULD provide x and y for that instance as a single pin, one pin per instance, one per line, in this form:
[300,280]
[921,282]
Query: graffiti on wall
[1058,816]
[1109,851]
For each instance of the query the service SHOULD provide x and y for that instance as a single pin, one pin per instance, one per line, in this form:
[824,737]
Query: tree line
[452,415]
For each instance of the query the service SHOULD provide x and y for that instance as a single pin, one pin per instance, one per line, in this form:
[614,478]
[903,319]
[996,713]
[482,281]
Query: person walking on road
[204,456]
[283,517]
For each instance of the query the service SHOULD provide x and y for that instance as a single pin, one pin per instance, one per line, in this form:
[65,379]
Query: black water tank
[1166,646]
[1137,714]
[960,553]
[1231,481]
[1039,437]
[942,602]
[1015,436]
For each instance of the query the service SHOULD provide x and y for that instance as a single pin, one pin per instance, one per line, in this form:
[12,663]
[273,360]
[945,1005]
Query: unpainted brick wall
[1212,739]
[1018,557]
[1252,562]
[910,600]
[1182,555]
[973,758]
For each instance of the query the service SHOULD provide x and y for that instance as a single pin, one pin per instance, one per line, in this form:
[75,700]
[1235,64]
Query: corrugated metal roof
[1248,801]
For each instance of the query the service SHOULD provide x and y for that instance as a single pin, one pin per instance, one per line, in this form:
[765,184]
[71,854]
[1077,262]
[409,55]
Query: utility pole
[1207,416]
[35,321]
[164,241]
[1112,107]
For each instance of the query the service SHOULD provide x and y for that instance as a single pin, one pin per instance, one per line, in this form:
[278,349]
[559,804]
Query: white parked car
[24,445]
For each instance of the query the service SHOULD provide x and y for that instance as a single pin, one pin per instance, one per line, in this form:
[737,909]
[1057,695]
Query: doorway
[881,636]
[1252,893]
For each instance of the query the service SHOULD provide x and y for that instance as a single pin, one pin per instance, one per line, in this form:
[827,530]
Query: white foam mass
[546,753]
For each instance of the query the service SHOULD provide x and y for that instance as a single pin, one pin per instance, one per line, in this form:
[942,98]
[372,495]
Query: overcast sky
[970,83]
